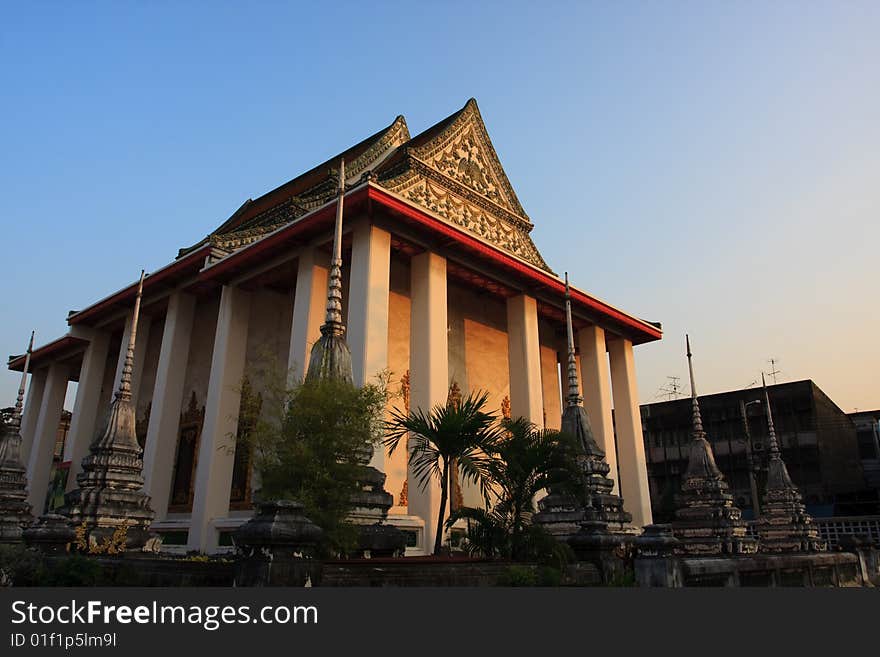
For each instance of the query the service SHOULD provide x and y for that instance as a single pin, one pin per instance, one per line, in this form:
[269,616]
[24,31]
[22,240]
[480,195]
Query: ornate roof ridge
[453,169]
[438,137]
[311,188]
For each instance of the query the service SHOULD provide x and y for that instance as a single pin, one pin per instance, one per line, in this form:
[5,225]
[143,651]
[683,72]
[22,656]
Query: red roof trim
[643,332]
[16,363]
[192,261]
[253,251]
[498,256]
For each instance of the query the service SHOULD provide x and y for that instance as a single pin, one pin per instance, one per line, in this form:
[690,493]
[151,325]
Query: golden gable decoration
[452,169]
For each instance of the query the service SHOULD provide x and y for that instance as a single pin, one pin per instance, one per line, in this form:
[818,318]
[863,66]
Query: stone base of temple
[276,546]
[707,522]
[840,569]
[51,533]
[559,515]
[605,550]
[15,512]
[372,502]
[376,537]
[15,516]
[712,536]
[109,514]
[785,527]
[659,562]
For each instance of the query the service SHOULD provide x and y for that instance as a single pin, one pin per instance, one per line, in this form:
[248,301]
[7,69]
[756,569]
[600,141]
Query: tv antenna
[672,388]
[773,371]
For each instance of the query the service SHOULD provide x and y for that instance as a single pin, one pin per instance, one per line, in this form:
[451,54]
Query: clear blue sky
[711,165]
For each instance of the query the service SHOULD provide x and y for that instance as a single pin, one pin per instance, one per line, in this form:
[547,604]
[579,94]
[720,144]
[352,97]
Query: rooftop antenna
[773,371]
[672,389]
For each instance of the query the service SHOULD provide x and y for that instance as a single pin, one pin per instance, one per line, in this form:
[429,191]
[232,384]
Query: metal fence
[834,528]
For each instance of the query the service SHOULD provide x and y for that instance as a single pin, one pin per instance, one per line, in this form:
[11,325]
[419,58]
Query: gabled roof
[452,169]
[255,218]
[459,147]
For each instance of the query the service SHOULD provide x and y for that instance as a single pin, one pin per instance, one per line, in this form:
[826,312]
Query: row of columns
[368,340]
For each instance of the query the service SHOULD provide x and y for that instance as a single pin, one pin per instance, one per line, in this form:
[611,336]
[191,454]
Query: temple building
[443,290]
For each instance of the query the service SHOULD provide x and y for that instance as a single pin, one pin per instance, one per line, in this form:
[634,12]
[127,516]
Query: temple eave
[370,197]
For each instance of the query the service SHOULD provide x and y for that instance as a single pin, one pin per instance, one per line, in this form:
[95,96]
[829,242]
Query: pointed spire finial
[573,396]
[19,400]
[333,320]
[124,391]
[697,419]
[771,431]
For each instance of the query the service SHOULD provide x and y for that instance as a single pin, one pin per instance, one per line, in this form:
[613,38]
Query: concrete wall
[198,366]
[268,339]
[398,364]
[148,378]
[550,375]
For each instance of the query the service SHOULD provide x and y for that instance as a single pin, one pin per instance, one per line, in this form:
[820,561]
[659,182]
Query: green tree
[307,446]
[460,435]
[525,461]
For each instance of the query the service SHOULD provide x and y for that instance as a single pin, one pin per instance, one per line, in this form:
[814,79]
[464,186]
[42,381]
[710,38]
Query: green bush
[20,566]
[518,576]
[307,446]
[74,570]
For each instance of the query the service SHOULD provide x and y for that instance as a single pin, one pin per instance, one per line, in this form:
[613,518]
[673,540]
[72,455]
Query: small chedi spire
[706,520]
[701,460]
[331,357]
[110,496]
[784,525]
[330,360]
[15,512]
[573,397]
[561,513]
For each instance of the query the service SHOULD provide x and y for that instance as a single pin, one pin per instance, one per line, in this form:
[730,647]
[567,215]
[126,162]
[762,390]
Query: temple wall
[107,382]
[485,344]
[148,376]
[198,365]
[456,317]
[268,340]
[550,388]
[398,365]
[550,375]
[484,332]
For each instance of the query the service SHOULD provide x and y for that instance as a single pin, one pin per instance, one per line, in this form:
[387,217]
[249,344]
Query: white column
[309,307]
[86,411]
[524,359]
[36,386]
[631,446]
[597,392]
[368,309]
[140,352]
[217,446]
[45,434]
[429,369]
[162,430]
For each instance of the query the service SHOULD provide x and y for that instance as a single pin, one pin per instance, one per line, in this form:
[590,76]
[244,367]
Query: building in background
[820,446]
[868,435]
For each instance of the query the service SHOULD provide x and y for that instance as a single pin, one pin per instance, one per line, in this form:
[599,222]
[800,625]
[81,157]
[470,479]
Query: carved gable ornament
[457,175]
[451,169]
[464,153]
[464,161]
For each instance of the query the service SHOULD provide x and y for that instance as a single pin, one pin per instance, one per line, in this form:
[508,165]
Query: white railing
[834,528]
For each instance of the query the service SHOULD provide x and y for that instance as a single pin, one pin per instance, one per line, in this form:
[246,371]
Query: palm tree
[460,435]
[526,461]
